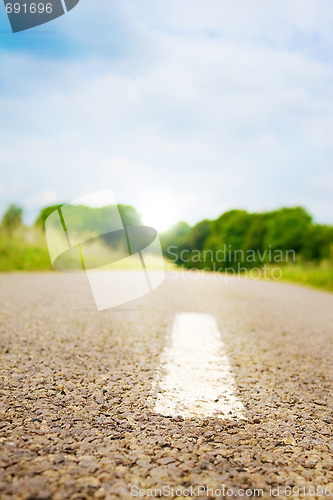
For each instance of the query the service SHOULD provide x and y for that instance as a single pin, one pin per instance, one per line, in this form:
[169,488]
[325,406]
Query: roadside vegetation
[235,242]
[239,241]
[24,248]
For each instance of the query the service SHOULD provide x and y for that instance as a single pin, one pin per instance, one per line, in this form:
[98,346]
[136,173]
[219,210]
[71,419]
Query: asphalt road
[78,416]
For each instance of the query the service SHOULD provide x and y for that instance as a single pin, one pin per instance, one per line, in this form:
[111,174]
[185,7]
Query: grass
[312,274]
[27,251]
[20,255]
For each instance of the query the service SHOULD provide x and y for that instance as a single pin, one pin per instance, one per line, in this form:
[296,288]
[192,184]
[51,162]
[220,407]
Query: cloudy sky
[185,108]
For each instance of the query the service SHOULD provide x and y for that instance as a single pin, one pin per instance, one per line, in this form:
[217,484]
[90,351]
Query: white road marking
[194,378]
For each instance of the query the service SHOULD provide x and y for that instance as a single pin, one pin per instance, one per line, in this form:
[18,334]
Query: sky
[184,108]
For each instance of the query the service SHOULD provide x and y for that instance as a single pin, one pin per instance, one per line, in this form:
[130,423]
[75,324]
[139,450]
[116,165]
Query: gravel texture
[77,411]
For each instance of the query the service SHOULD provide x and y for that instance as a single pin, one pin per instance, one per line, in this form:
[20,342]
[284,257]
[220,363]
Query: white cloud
[323,182]
[201,101]
[48,197]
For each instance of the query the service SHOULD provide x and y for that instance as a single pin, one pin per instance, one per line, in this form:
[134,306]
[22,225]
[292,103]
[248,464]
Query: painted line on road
[194,378]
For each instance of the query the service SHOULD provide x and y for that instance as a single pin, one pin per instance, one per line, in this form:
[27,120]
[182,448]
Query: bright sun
[160,214]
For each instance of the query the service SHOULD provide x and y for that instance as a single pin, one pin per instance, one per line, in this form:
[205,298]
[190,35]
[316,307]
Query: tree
[176,238]
[199,234]
[85,217]
[12,218]
[129,215]
[318,243]
[43,215]
[238,234]
[287,229]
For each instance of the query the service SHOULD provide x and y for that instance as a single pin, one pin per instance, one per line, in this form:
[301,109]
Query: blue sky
[184,108]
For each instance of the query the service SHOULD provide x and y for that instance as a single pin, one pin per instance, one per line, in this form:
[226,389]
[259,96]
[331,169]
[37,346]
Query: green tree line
[24,247]
[250,239]
[234,235]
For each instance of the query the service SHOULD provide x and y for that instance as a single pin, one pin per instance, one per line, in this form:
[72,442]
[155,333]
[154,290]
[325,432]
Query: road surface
[85,396]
